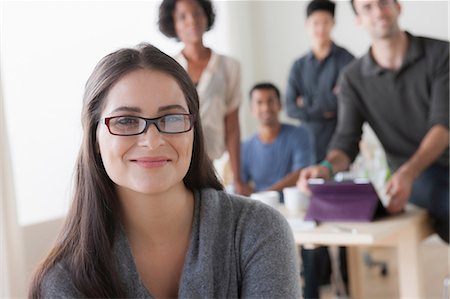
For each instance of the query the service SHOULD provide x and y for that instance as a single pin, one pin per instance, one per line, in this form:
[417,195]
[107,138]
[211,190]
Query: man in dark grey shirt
[401,88]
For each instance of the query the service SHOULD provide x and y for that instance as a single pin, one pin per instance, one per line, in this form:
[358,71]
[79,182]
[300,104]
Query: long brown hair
[85,243]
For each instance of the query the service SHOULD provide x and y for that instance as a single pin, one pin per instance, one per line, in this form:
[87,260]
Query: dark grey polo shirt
[401,105]
[316,82]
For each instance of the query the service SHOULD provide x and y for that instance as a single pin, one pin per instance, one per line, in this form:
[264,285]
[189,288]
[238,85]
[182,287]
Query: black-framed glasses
[127,125]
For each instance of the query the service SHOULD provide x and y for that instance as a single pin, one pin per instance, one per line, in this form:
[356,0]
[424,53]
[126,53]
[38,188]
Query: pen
[345,229]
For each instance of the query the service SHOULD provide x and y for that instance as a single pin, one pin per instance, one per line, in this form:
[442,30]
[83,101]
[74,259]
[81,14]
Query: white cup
[295,200]
[271,198]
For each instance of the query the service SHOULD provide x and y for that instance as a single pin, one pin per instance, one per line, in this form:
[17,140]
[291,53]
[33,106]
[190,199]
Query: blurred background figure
[217,77]
[311,98]
[312,83]
[401,89]
[272,158]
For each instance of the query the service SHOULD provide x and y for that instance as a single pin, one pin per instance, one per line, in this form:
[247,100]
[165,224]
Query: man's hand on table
[399,188]
[312,172]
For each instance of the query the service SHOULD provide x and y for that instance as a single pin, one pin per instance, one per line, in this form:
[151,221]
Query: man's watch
[328,165]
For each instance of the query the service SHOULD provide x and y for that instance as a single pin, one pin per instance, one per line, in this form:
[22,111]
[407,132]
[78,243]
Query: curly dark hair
[166,22]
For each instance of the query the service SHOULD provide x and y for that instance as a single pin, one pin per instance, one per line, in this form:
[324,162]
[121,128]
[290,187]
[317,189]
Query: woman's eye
[173,118]
[126,121]
[180,17]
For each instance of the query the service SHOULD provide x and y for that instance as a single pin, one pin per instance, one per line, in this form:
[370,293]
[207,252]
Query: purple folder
[343,201]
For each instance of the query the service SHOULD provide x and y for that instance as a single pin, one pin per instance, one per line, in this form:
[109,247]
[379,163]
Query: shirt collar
[415,51]
[212,64]
[310,54]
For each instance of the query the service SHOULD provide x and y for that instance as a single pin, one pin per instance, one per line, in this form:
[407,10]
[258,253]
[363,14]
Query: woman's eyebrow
[171,107]
[160,109]
[127,109]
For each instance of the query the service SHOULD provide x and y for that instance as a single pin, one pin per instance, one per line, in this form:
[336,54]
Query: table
[404,232]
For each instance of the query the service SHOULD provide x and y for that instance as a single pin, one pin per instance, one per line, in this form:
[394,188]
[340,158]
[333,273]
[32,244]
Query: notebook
[353,200]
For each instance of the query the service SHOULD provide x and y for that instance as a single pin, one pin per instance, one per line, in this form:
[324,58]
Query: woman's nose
[151,138]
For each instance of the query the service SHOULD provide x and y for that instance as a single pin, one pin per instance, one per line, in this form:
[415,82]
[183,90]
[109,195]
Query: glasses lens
[126,125]
[174,123]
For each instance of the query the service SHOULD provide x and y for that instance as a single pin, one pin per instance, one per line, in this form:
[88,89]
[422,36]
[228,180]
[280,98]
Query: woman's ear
[97,146]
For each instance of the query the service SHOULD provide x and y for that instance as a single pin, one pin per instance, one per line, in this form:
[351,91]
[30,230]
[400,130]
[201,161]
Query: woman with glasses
[217,77]
[149,218]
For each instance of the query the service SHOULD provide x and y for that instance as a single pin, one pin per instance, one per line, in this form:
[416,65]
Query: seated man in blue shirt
[272,158]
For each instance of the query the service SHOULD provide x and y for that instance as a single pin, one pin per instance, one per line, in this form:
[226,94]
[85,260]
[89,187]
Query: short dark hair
[167,24]
[265,85]
[323,5]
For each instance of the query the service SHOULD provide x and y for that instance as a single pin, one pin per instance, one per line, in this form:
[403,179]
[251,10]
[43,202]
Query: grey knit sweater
[239,248]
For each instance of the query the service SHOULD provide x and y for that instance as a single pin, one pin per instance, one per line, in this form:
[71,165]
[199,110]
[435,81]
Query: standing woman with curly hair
[216,77]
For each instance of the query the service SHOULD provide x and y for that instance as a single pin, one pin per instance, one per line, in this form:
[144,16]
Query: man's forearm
[435,142]
[339,160]
[288,181]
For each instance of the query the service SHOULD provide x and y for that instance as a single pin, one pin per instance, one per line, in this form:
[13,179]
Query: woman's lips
[151,162]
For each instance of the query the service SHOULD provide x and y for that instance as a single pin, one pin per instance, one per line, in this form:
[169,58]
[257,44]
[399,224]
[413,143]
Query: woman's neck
[196,52]
[197,57]
[157,219]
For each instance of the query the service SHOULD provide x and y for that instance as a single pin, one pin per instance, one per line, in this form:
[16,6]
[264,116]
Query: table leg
[336,275]
[410,278]
[355,272]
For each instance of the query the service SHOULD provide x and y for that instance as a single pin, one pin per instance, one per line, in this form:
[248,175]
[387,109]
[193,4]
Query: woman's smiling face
[151,162]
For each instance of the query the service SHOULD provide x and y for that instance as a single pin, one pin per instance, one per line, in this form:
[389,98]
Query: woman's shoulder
[218,200]
[57,282]
[261,240]
[225,59]
[240,210]
[179,57]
